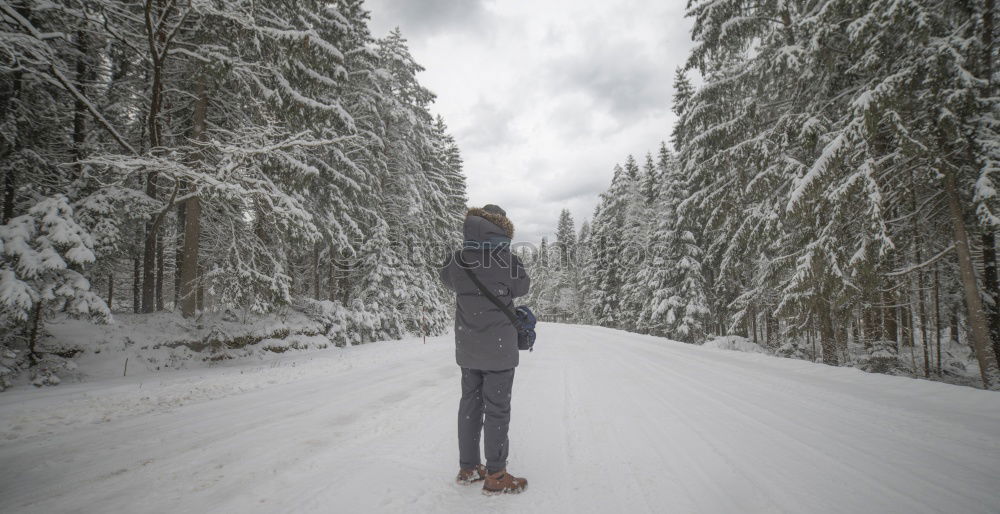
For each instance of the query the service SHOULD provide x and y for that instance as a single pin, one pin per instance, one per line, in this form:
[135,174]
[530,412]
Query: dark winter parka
[484,336]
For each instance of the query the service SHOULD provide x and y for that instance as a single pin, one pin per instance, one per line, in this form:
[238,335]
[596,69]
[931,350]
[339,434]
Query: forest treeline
[831,183]
[224,155]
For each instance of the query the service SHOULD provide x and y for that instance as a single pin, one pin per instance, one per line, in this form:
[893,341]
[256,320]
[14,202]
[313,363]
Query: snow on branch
[916,267]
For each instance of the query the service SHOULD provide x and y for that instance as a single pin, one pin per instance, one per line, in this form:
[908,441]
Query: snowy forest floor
[603,421]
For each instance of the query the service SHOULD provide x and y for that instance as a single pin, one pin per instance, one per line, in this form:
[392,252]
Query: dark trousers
[484,409]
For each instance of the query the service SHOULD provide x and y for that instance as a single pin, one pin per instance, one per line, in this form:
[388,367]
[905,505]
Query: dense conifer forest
[235,157]
[828,191]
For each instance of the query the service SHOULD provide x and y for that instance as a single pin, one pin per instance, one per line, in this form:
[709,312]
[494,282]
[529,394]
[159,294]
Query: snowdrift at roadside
[734,343]
[75,350]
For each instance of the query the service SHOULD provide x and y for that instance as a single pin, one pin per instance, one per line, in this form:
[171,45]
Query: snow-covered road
[603,421]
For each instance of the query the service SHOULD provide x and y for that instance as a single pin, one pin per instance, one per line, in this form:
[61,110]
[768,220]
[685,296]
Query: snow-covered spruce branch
[48,57]
[295,141]
[922,265]
[11,13]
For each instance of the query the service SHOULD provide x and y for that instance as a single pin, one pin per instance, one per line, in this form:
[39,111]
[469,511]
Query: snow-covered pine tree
[687,306]
[544,291]
[584,307]
[614,247]
[651,176]
[565,237]
[567,295]
[726,139]
[607,245]
[418,204]
[671,278]
[44,252]
[636,245]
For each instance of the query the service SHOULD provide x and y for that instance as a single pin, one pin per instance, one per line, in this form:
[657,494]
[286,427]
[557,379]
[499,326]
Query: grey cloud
[620,77]
[585,183]
[491,127]
[572,121]
[628,77]
[583,190]
[418,18]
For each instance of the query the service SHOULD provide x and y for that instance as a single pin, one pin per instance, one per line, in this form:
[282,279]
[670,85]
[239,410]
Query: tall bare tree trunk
[191,295]
[80,112]
[10,177]
[937,318]
[111,290]
[189,266]
[761,327]
[827,342]
[870,324]
[991,288]
[922,316]
[9,194]
[890,322]
[953,329]
[316,274]
[159,271]
[772,330]
[332,281]
[920,310]
[811,341]
[154,34]
[855,330]
[978,325]
[201,290]
[991,284]
[149,255]
[36,322]
[136,285]
[178,254]
[345,284]
[908,334]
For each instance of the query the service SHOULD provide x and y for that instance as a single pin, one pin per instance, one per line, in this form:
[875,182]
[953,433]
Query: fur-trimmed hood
[478,231]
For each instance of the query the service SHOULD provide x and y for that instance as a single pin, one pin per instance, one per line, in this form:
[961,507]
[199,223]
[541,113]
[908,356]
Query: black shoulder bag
[522,318]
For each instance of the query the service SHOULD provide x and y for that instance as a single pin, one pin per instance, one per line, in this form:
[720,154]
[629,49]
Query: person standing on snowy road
[485,346]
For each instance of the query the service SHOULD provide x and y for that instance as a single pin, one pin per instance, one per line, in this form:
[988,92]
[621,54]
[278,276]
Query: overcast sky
[545,96]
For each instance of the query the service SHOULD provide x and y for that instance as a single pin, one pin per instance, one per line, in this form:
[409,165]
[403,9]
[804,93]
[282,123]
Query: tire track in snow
[899,420]
[843,443]
[694,458]
[283,411]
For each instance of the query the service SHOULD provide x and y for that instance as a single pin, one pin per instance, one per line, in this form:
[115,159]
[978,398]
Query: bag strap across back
[486,292]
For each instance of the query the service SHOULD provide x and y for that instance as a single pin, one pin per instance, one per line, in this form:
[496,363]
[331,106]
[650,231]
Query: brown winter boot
[503,482]
[471,475]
